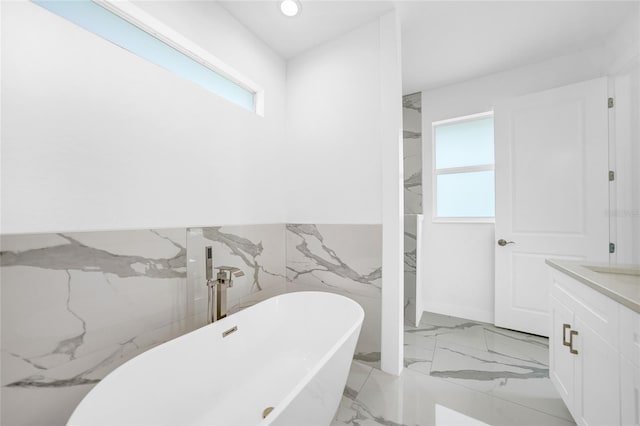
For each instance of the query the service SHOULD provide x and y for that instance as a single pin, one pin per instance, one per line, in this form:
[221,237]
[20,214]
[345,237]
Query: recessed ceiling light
[290,7]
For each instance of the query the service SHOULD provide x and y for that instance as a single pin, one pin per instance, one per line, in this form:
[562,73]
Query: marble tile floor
[457,372]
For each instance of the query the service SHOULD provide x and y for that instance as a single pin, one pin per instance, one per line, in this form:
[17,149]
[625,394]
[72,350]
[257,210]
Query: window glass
[470,194]
[465,143]
[464,181]
[119,31]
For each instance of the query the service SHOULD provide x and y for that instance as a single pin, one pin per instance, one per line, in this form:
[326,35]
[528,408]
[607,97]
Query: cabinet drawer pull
[564,334]
[571,334]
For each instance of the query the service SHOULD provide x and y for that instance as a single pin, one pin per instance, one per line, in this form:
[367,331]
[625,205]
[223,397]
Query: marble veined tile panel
[410,264]
[410,243]
[77,305]
[40,406]
[87,293]
[151,253]
[413,102]
[412,152]
[345,259]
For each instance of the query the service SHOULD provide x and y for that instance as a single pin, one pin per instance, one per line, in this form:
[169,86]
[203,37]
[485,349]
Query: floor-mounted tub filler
[283,361]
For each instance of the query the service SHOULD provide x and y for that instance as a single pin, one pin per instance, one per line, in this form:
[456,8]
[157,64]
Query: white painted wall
[96,138]
[458,259]
[334,165]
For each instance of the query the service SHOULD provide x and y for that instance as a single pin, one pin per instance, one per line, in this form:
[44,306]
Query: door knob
[503,243]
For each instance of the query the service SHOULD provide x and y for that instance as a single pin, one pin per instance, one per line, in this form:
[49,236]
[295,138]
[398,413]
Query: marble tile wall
[412,149]
[77,305]
[412,153]
[344,259]
[410,267]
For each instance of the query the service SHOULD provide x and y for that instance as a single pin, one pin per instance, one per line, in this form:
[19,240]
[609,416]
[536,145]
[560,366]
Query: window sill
[487,220]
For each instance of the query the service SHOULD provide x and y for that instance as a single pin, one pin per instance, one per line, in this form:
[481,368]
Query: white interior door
[551,194]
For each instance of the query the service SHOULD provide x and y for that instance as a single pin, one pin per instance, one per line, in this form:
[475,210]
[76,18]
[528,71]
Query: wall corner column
[392,195]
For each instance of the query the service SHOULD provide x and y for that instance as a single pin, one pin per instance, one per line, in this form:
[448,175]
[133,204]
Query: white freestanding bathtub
[291,352]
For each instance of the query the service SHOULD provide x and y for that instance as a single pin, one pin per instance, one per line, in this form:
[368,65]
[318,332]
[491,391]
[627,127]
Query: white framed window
[127,26]
[464,169]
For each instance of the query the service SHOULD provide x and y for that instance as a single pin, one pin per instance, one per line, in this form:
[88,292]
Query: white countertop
[618,282]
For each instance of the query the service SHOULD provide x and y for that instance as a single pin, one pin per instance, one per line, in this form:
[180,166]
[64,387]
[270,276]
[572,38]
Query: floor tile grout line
[484,337]
[507,355]
[364,381]
[433,357]
[475,348]
[433,353]
[459,343]
[522,338]
[492,356]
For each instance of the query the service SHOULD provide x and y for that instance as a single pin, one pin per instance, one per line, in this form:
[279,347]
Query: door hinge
[610,103]
[612,175]
[612,248]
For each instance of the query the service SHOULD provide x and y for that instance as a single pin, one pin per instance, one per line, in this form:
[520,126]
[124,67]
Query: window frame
[149,24]
[456,170]
[128,12]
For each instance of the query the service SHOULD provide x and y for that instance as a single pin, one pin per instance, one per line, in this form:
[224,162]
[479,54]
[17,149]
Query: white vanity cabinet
[583,349]
[594,351]
[630,393]
[629,366]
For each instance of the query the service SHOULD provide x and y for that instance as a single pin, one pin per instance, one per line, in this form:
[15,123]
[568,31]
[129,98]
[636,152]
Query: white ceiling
[318,21]
[444,42]
[449,42]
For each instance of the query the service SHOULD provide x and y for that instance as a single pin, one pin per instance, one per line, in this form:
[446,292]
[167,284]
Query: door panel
[529,288]
[539,163]
[551,194]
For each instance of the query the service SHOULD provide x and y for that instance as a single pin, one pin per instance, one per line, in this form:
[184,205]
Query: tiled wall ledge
[77,305]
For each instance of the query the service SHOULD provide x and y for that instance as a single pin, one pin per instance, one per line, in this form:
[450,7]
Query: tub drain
[266,412]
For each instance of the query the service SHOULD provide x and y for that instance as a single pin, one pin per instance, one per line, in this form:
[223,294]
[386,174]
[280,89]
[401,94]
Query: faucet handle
[237,272]
[232,271]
